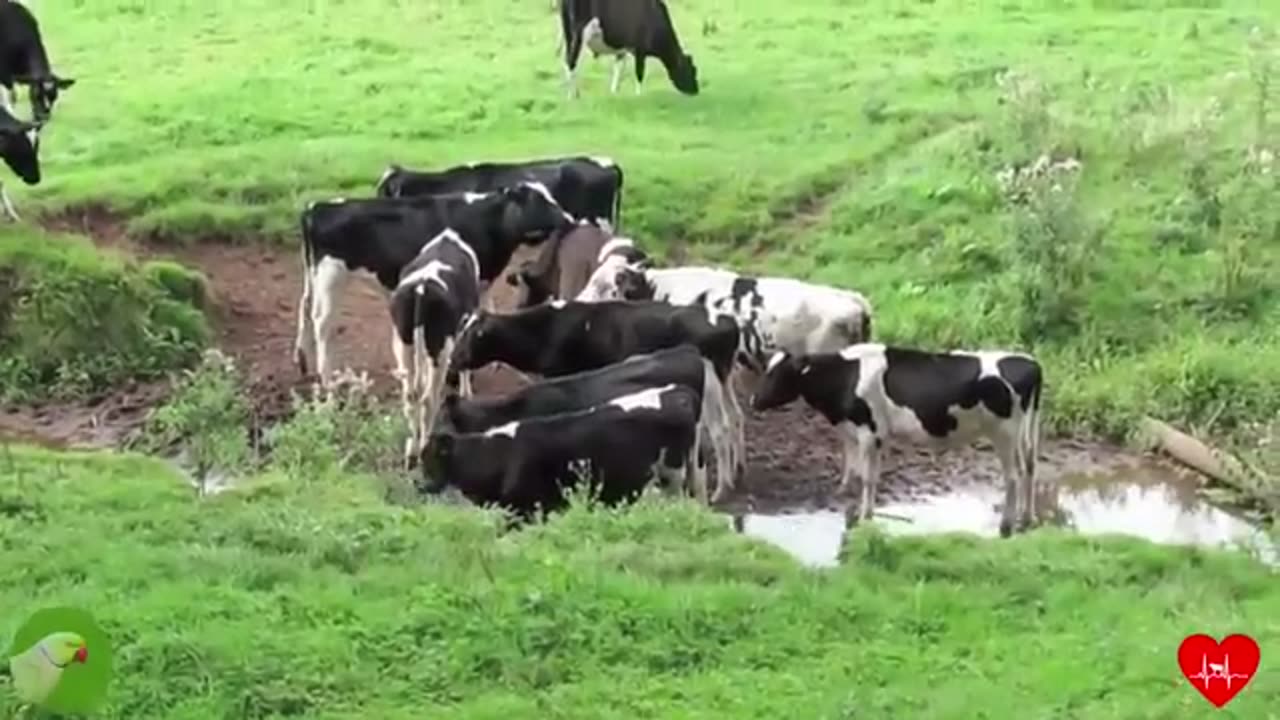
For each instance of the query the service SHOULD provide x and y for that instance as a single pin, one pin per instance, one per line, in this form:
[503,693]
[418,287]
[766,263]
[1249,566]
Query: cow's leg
[1005,445]
[695,470]
[720,424]
[869,450]
[739,431]
[619,60]
[406,375]
[572,54]
[304,345]
[327,282]
[8,205]
[849,449]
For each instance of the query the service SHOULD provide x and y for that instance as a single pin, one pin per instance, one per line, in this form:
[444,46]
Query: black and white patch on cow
[876,394]
[561,338]
[437,291]
[680,365]
[375,238]
[526,465]
[20,148]
[587,187]
[566,263]
[23,60]
[774,313]
[640,28]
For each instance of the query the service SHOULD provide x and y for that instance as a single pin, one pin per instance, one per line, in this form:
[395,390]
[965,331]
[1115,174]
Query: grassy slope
[192,119]
[74,318]
[322,601]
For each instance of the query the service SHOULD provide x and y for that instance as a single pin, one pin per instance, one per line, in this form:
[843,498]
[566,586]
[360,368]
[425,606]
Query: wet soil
[793,456]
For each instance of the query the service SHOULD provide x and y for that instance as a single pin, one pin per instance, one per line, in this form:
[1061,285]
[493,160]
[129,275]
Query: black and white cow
[526,465]
[774,313]
[23,60]
[437,290]
[586,187]
[20,148]
[380,236]
[561,338]
[641,28]
[876,394]
[565,264]
[682,365]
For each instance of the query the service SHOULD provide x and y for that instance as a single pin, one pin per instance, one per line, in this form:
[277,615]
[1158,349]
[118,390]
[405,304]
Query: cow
[641,28]
[23,60]
[20,148]
[683,365]
[774,313]
[526,465]
[379,236]
[438,289]
[561,338]
[875,394]
[565,264]
[586,187]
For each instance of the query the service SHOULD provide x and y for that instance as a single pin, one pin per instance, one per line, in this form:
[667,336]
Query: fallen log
[1195,454]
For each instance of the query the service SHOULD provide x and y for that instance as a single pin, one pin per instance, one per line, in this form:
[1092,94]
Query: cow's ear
[63,83]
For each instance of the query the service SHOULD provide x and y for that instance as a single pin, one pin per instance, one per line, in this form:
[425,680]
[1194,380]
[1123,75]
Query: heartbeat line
[1215,671]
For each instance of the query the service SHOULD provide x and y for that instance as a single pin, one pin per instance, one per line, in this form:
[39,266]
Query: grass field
[858,144]
[319,600]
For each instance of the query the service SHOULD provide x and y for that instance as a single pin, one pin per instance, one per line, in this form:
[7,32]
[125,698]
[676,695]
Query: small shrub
[207,416]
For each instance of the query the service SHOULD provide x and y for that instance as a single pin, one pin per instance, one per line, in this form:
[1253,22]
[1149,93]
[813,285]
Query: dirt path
[793,458]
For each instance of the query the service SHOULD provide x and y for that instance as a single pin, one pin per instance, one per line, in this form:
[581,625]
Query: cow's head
[684,74]
[532,214]
[633,283]
[434,462]
[531,288]
[474,345]
[20,147]
[44,94]
[781,382]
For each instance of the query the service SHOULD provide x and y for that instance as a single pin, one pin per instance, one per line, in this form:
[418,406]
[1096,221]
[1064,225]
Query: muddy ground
[793,456]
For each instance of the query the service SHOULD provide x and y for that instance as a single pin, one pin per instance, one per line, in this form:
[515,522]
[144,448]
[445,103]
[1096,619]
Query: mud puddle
[1144,500]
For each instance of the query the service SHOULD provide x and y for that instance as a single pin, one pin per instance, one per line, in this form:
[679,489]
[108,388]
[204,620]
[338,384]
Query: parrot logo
[59,661]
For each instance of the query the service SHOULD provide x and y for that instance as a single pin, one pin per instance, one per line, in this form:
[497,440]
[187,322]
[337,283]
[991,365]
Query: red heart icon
[1218,670]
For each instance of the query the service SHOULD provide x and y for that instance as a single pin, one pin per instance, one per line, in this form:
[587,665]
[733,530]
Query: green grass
[76,319]
[850,143]
[317,599]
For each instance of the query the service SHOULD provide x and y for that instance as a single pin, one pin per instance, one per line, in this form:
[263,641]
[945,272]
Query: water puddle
[1144,500]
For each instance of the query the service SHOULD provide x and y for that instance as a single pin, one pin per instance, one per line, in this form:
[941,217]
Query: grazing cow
[24,60]
[773,313]
[561,338]
[379,236]
[437,290]
[641,28]
[586,187]
[525,465]
[20,148]
[682,365]
[873,394]
[565,264]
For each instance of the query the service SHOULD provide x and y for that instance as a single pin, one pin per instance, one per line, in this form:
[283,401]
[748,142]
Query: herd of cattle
[635,364]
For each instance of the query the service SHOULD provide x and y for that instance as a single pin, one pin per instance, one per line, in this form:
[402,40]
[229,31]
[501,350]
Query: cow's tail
[617,202]
[1030,439]
[306,331]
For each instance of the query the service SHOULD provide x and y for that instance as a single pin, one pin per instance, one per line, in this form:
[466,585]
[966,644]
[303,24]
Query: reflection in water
[1144,501]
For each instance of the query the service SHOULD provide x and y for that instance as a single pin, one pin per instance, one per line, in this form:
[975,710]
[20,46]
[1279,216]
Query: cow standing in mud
[876,394]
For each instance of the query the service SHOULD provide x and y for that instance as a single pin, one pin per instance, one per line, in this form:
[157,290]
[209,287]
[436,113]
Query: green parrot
[36,672]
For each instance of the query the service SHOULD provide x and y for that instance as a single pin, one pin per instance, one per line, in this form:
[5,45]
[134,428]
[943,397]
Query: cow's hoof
[1006,528]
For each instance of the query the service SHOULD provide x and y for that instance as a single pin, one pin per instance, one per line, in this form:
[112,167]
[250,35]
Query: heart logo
[1218,670]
